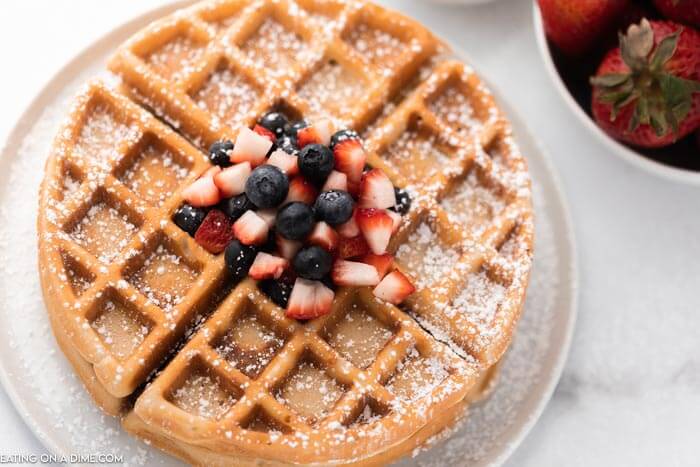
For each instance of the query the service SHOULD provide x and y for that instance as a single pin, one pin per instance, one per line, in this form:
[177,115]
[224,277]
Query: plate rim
[55,84]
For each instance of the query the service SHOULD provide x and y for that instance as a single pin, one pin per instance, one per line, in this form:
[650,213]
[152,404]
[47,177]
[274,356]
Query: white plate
[53,402]
[669,172]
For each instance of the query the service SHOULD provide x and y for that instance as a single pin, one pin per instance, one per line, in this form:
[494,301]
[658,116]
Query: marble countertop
[630,392]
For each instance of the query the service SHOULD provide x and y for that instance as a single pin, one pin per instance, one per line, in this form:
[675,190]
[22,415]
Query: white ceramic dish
[54,404]
[669,172]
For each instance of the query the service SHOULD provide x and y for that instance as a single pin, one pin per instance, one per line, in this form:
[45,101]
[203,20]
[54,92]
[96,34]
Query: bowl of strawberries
[630,69]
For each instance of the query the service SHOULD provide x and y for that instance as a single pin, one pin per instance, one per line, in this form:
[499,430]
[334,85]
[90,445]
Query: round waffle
[212,371]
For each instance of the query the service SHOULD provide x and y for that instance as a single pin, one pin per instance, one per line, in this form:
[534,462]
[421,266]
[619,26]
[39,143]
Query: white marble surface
[630,394]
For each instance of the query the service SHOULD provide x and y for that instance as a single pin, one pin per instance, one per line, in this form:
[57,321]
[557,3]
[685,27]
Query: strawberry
[309,299]
[287,163]
[215,232]
[352,247]
[318,133]
[262,131]
[376,226]
[376,190]
[647,91]
[350,158]
[202,192]
[336,181]
[349,229]
[324,236]
[267,266]
[382,263]
[683,11]
[251,147]
[250,229]
[287,248]
[211,172]
[351,273]
[302,190]
[231,181]
[394,288]
[575,26]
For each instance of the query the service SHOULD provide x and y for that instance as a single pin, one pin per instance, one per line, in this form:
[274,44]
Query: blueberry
[295,127]
[278,291]
[312,263]
[236,206]
[239,258]
[219,153]
[334,207]
[276,122]
[316,163]
[189,218]
[403,201]
[288,144]
[294,221]
[267,186]
[342,135]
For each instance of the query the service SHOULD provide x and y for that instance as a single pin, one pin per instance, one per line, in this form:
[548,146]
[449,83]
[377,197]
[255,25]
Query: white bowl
[666,171]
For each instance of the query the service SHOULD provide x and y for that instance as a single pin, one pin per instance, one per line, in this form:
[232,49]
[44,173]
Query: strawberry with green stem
[646,92]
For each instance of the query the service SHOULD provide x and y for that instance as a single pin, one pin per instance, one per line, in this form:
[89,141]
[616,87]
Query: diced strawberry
[211,172]
[376,190]
[324,129]
[267,266]
[215,232]
[354,189]
[302,190]
[287,163]
[324,236]
[354,274]
[250,229]
[382,263]
[202,192]
[309,299]
[306,136]
[349,229]
[262,131]
[250,147]
[350,158]
[231,181]
[268,215]
[394,288]
[396,219]
[287,248]
[352,247]
[376,226]
[336,181]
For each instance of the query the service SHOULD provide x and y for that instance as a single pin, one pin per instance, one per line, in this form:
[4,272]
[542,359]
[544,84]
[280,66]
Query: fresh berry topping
[220,153]
[350,229]
[288,144]
[267,266]
[215,232]
[300,189]
[262,131]
[354,274]
[336,181]
[403,201]
[376,190]
[189,218]
[293,129]
[287,248]
[316,163]
[396,219]
[324,236]
[267,186]
[343,135]
[203,192]
[251,229]
[382,263]
[250,147]
[306,136]
[334,207]
[394,288]
[269,216]
[235,207]
[287,163]
[275,122]
[352,247]
[295,221]
[231,181]
[309,299]
[239,258]
[350,158]
[376,226]
[278,291]
[312,262]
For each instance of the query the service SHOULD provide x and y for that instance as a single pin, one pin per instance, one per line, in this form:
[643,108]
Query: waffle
[212,371]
